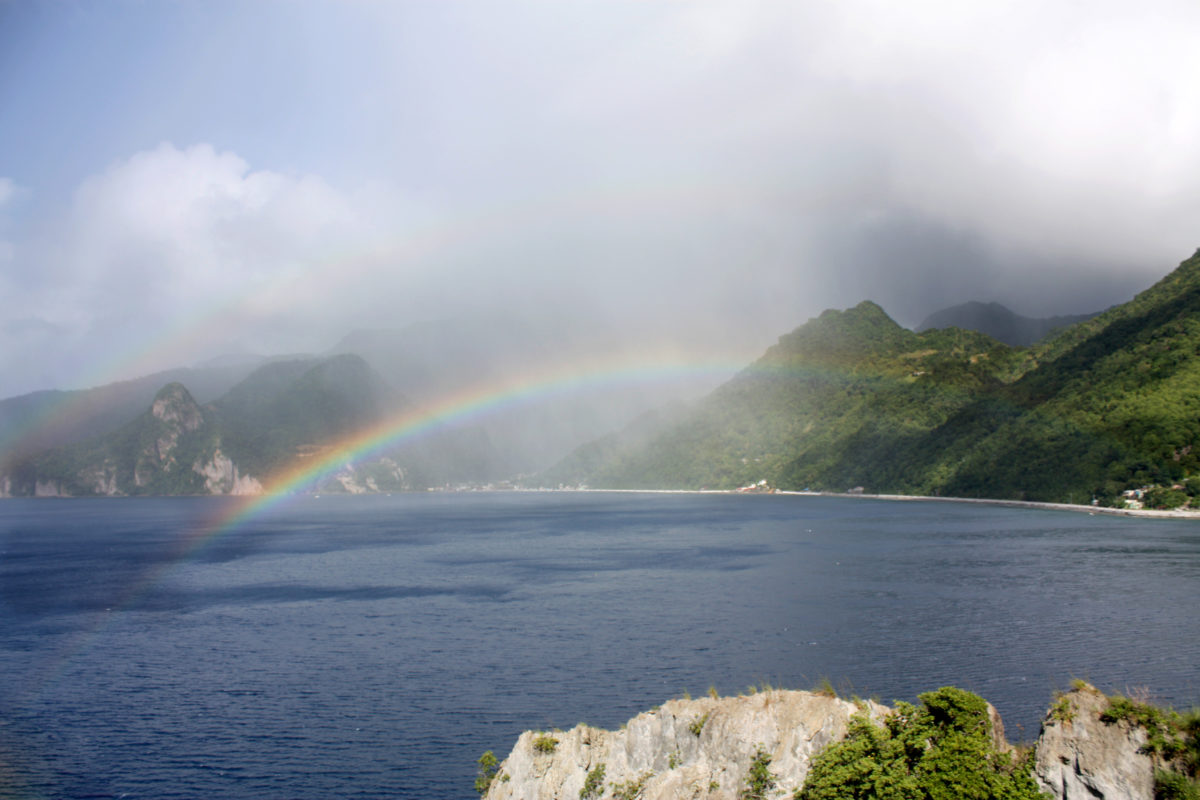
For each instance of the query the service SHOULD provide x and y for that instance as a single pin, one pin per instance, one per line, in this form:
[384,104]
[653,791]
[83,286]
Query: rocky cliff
[1084,753]
[683,749]
[709,748]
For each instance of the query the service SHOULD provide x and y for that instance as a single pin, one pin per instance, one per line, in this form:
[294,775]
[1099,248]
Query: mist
[674,180]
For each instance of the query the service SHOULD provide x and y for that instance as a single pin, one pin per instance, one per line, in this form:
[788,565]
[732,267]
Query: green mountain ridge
[851,399]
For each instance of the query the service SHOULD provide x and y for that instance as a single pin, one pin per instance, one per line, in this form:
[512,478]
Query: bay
[375,646]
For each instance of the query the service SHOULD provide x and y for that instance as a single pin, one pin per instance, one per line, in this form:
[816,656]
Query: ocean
[375,646]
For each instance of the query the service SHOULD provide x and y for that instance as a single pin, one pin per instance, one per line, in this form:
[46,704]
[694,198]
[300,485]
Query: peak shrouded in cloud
[182,180]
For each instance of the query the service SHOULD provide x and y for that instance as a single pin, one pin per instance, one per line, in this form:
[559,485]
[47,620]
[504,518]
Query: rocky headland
[766,744]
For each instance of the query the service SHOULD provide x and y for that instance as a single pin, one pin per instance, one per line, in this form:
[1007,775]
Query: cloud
[781,138]
[710,172]
[179,252]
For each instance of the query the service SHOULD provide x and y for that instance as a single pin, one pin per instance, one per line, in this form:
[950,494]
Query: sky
[181,179]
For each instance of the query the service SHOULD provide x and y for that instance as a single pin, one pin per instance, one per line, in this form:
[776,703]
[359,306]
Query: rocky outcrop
[48,489]
[683,749]
[174,414]
[1080,756]
[383,475]
[175,406]
[705,748]
[101,478]
[221,476]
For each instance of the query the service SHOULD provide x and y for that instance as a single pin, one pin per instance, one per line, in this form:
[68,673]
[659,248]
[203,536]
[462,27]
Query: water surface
[375,646]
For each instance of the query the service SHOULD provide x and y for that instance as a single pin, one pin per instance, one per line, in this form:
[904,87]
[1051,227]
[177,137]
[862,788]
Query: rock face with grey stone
[704,748]
[1079,756]
[700,748]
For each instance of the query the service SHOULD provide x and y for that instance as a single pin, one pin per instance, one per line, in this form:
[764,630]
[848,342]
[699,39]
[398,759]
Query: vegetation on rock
[1172,738]
[544,743]
[632,789]
[759,779]
[488,764]
[593,784]
[942,750]
[950,747]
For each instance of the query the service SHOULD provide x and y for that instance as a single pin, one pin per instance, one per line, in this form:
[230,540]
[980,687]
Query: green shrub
[593,784]
[760,779]
[1062,710]
[631,789]
[544,743]
[1165,498]
[697,725]
[1163,728]
[1171,737]
[1170,785]
[939,751]
[488,764]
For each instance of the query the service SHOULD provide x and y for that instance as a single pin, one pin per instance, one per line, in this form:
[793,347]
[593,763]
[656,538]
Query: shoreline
[903,498]
[912,498]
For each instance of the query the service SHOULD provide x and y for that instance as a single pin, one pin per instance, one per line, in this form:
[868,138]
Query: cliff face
[222,476]
[1079,756]
[705,748]
[173,415]
[684,749]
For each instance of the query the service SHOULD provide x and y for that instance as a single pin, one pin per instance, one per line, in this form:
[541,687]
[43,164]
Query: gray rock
[661,746]
[1078,756]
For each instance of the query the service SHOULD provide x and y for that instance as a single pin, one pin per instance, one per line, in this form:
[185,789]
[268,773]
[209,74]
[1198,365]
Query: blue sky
[181,179]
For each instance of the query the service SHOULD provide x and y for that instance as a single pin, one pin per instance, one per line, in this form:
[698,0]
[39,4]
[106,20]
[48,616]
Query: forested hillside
[852,399]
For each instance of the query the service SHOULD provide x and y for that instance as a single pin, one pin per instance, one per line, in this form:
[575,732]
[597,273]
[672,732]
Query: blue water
[375,646]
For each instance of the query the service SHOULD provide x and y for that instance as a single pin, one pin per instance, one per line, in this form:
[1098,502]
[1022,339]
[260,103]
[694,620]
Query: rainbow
[185,336]
[473,404]
[468,405]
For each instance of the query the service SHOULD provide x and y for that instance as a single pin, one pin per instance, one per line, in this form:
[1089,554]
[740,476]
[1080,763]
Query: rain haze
[185,180]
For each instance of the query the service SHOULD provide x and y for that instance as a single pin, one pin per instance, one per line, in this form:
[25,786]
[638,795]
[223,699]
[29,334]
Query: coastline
[910,498]
[906,498]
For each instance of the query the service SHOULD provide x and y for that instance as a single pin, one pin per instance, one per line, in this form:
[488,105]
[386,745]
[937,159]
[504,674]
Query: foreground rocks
[706,747]
[684,749]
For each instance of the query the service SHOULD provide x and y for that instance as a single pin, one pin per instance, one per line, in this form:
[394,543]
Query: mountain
[153,454]
[280,415]
[851,399]
[999,322]
[80,414]
[847,382]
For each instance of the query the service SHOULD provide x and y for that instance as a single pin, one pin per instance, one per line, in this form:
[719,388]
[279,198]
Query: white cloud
[174,253]
[1069,134]
[643,159]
